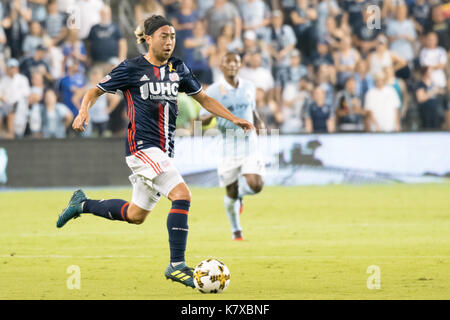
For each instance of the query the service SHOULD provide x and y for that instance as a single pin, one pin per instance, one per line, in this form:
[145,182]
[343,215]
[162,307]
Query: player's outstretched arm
[216,108]
[88,101]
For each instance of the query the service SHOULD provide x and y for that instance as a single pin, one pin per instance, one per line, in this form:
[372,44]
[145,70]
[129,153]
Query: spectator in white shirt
[254,71]
[383,102]
[66,6]
[89,15]
[434,57]
[382,57]
[14,91]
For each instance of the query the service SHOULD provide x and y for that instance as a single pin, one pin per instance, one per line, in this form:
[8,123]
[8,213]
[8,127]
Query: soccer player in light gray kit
[150,84]
[241,168]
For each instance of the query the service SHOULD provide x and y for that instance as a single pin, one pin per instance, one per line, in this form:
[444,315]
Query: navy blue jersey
[151,94]
[320,116]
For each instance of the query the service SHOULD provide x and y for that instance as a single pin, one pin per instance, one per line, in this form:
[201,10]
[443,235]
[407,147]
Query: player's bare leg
[252,184]
[232,190]
[136,214]
[180,192]
[255,182]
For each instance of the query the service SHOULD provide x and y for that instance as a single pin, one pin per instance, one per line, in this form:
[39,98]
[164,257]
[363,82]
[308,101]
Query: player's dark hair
[232,53]
[150,25]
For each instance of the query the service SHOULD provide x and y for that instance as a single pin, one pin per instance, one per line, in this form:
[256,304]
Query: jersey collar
[229,86]
[161,66]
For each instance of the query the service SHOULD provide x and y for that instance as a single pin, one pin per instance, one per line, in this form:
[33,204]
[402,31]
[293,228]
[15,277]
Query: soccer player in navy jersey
[150,84]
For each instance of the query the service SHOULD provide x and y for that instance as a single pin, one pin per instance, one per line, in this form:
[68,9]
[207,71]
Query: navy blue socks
[177,226]
[114,209]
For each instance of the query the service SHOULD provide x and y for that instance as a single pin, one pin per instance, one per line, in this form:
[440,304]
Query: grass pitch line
[54,256]
[67,234]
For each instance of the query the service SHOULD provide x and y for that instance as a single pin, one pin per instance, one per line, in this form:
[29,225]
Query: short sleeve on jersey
[189,83]
[117,79]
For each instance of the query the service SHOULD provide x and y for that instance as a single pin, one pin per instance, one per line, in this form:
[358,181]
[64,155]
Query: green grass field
[301,243]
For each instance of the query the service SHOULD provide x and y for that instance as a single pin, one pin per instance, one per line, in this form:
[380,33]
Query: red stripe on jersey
[156,71]
[162,138]
[129,116]
[158,167]
[131,137]
[133,124]
[132,132]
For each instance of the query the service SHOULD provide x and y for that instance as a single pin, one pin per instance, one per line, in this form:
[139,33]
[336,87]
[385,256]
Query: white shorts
[229,169]
[154,174]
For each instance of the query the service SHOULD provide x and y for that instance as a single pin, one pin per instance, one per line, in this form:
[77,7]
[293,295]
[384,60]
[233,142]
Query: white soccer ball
[211,276]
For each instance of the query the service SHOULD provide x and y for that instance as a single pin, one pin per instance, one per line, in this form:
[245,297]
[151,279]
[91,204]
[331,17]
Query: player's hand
[244,124]
[81,121]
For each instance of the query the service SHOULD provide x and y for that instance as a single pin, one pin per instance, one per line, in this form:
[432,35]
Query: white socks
[233,213]
[243,187]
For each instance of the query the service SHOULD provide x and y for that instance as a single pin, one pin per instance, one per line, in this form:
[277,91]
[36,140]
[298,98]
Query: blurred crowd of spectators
[318,65]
